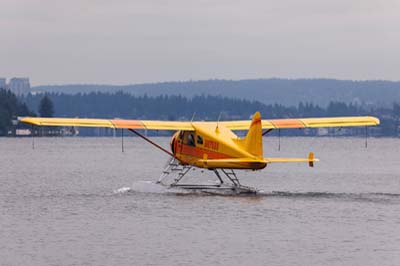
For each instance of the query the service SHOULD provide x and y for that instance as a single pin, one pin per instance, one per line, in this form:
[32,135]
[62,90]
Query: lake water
[81,201]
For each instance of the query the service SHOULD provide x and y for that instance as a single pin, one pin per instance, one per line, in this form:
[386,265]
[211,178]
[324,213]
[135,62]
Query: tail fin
[253,140]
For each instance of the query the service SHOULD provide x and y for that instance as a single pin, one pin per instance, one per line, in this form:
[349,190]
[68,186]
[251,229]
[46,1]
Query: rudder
[253,140]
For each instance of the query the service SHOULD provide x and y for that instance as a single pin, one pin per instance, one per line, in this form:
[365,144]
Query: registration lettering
[212,145]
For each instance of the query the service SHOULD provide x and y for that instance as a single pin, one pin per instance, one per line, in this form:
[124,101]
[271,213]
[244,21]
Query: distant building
[23,132]
[3,83]
[19,85]
[323,131]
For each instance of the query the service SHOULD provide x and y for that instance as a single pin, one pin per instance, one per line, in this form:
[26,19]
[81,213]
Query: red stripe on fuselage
[199,152]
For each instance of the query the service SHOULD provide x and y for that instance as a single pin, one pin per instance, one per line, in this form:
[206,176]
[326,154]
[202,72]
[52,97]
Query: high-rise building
[19,85]
[3,83]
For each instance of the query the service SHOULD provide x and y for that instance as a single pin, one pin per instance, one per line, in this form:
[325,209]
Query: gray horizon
[131,42]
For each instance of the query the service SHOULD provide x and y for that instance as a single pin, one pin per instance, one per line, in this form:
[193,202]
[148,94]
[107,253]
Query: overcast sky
[130,41]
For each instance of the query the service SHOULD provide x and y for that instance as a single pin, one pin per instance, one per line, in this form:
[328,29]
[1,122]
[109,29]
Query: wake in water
[152,187]
[149,187]
[362,197]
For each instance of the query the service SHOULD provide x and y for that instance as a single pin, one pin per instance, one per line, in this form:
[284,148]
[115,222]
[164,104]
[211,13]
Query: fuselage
[213,147]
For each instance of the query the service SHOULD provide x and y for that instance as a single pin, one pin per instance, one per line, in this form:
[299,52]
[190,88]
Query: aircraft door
[180,142]
[189,138]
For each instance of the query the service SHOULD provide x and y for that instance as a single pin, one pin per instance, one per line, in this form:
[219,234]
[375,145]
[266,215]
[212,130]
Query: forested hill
[174,107]
[287,92]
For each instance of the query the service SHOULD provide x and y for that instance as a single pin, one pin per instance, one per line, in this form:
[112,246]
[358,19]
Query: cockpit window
[188,138]
[191,139]
[180,135]
[199,140]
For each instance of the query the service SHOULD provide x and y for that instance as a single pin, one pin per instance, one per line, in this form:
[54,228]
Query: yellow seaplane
[213,145]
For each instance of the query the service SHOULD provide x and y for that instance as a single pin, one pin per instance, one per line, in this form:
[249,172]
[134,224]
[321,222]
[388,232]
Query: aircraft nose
[173,142]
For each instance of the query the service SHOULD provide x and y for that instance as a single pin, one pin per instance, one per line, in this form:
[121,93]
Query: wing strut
[267,131]
[151,142]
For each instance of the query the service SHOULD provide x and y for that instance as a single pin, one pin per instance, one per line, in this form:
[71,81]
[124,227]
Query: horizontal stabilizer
[310,160]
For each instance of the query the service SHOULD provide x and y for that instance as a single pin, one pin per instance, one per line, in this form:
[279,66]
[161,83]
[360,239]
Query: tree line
[203,107]
[176,107]
[11,107]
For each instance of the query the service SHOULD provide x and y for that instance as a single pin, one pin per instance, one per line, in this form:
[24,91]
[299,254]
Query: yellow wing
[349,121]
[111,123]
[178,125]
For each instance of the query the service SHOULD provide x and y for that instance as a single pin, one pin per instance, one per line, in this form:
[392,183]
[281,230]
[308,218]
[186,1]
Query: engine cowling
[173,142]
